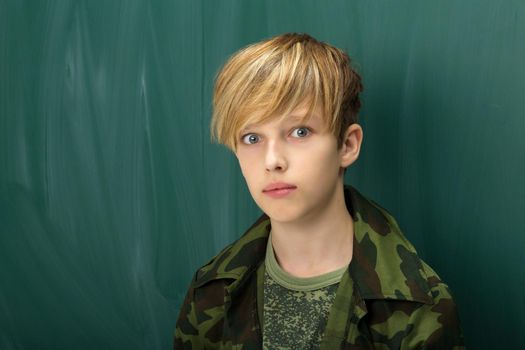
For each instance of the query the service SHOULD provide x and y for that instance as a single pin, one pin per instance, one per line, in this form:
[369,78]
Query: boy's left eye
[302,131]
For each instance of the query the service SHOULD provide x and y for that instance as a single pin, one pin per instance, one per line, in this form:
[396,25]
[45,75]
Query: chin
[282,215]
[278,209]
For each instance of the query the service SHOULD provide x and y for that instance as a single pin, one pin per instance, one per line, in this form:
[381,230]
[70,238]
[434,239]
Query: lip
[279,189]
[278,186]
[279,193]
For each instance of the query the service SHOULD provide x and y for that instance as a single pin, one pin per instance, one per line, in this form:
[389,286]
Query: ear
[351,145]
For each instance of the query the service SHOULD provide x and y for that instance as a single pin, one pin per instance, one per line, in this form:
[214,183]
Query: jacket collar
[384,264]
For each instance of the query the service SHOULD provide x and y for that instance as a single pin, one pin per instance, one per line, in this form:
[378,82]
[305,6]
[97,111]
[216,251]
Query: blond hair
[277,75]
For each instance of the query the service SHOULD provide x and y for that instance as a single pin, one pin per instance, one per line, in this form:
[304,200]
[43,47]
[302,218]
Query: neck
[317,244]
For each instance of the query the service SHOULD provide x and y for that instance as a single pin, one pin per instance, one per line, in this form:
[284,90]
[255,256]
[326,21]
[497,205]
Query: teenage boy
[323,267]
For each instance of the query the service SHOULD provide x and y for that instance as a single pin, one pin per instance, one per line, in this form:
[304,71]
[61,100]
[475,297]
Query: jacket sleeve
[436,326]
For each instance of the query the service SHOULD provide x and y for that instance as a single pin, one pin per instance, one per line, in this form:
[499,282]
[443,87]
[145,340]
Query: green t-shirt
[295,310]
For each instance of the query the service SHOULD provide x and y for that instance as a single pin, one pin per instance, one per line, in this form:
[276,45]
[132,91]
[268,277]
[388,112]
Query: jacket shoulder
[434,325]
[212,268]
[437,325]
[201,318]
[199,324]
[237,258]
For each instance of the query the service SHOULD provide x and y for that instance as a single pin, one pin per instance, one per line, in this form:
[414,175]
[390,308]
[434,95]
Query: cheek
[321,161]
[245,170]
[251,162]
[249,172]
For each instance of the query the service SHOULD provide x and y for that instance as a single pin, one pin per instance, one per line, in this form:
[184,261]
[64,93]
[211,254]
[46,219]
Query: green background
[111,194]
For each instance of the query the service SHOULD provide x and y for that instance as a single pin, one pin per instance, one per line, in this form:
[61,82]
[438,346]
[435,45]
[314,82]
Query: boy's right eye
[250,139]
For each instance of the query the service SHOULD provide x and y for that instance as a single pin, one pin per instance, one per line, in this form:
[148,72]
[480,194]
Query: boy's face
[302,154]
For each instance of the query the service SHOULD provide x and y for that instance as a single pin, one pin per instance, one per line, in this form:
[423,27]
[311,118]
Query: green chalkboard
[111,194]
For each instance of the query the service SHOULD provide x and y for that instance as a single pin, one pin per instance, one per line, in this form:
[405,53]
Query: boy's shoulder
[385,264]
[238,258]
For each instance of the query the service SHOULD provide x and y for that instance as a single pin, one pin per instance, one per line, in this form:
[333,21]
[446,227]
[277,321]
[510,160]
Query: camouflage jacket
[388,299]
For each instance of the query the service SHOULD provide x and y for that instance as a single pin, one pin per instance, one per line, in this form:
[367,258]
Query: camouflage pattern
[295,318]
[388,299]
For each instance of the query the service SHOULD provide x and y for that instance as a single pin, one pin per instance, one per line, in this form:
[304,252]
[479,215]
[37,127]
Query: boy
[323,267]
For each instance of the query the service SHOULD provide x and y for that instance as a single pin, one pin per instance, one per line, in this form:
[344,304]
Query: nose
[275,156]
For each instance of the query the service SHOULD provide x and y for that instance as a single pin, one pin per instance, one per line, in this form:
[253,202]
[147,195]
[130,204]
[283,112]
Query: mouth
[279,191]
[278,187]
